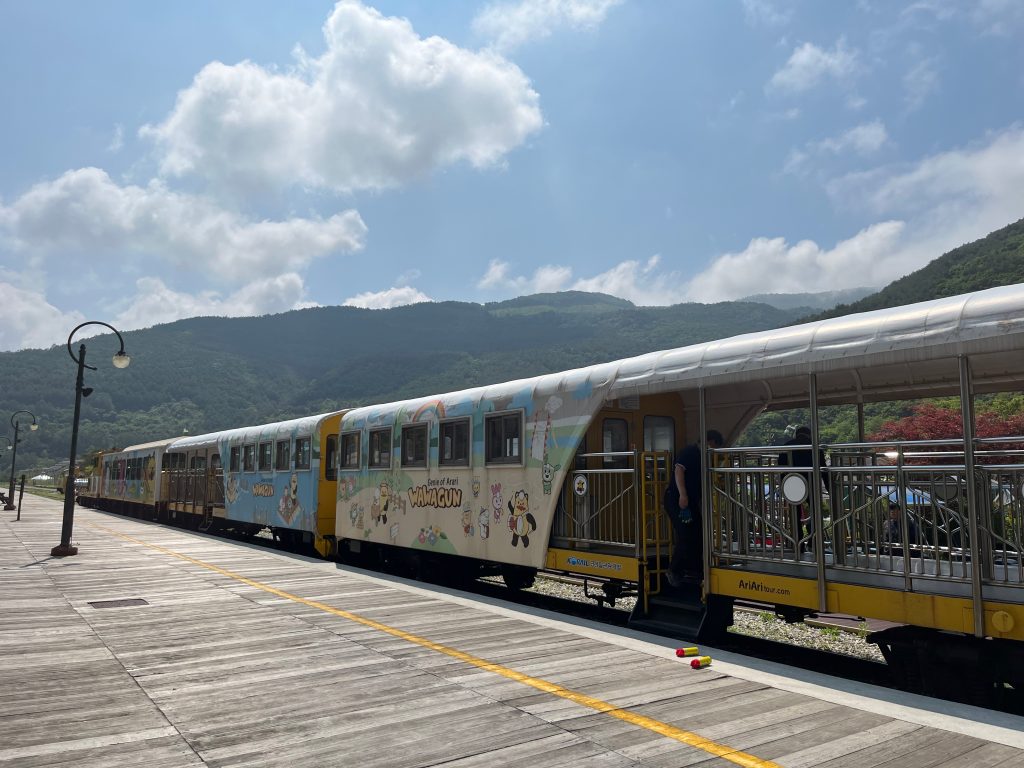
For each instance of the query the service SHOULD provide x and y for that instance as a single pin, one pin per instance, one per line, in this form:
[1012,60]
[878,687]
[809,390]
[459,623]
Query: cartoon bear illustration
[476,487]
[548,475]
[520,521]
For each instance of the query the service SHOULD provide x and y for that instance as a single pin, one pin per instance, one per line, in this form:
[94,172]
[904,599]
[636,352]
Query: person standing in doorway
[683,507]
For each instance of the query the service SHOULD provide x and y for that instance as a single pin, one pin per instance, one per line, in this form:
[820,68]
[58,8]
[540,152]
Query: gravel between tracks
[761,624]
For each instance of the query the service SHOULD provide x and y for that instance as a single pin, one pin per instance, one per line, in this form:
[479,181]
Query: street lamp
[121,360]
[16,423]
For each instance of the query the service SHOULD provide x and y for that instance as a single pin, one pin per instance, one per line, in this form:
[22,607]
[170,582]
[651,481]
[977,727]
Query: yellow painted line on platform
[634,718]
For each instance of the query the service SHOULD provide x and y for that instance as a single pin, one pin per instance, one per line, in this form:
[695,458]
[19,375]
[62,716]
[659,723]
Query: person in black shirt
[683,507]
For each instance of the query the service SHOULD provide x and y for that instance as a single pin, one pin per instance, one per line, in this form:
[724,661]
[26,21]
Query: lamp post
[16,423]
[121,360]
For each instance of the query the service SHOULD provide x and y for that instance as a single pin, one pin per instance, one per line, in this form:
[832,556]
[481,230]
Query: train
[565,472]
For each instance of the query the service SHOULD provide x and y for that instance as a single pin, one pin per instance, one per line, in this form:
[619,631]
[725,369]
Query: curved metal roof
[303,425]
[976,323]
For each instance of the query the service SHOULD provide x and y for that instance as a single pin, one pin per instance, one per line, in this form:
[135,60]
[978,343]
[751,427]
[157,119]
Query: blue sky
[247,157]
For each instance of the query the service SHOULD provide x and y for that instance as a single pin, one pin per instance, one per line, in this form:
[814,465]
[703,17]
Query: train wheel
[517,577]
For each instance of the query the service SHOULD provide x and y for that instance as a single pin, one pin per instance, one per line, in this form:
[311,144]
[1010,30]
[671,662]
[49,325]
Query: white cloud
[511,24]
[940,203]
[27,319]
[117,141]
[864,139]
[86,212]
[641,284]
[546,279]
[920,82]
[764,13]
[998,17]
[381,106]
[155,303]
[392,297]
[978,186]
[992,17]
[809,65]
[771,265]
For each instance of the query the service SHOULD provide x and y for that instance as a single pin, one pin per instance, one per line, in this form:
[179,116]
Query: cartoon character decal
[467,523]
[520,521]
[355,514]
[381,502]
[476,487]
[483,523]
[289,506]
[496,501]
[231,492]
[148,475]
[548,474]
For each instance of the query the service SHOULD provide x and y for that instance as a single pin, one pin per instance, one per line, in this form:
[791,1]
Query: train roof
[891,353]
[147,446]
[272,430]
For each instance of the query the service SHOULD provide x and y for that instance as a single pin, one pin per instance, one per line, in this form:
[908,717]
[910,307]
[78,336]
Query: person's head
[804,432]
[894,510]
[715,439]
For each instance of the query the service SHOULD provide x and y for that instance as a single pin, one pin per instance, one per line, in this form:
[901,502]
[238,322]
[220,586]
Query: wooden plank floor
[243,657]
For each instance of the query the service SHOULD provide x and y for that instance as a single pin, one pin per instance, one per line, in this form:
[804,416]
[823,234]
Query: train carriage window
[615,439]
[503,438]
[249,458]
[282,457]
[235,461]
[331,458]
[659,433]
[454,448]
[380,448]
[350,450]
[302,452]
[266,455]
[414,445]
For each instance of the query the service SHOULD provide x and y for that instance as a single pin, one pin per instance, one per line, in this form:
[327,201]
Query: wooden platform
[240,656]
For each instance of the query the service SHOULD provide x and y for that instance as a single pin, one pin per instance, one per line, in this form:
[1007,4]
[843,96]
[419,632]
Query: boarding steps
[673,612]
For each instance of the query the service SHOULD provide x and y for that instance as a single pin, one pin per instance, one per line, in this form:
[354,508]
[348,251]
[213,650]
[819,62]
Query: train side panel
[499,503]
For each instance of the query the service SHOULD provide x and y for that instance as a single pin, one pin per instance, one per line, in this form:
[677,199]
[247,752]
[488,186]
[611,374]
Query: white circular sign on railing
[794,488]
[579,485]
[945,488]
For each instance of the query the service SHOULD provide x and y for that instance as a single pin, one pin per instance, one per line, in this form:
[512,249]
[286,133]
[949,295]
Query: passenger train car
[565,472]
[278,476]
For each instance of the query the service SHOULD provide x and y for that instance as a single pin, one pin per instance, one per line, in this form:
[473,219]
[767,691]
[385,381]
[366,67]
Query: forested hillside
[997,259]
[204,374]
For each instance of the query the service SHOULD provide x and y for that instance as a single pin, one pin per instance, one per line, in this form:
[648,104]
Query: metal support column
[707,513]
[816,514]
[967,413]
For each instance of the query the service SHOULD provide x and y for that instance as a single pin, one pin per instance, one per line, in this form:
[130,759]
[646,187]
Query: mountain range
[209,373]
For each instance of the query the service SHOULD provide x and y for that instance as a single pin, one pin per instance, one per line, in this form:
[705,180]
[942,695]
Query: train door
[215,486]
[195,486]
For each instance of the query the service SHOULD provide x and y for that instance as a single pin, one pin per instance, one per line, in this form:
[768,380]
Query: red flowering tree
[931,421]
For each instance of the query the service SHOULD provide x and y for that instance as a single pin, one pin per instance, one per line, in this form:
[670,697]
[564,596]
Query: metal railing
[928,536]
[600,507]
